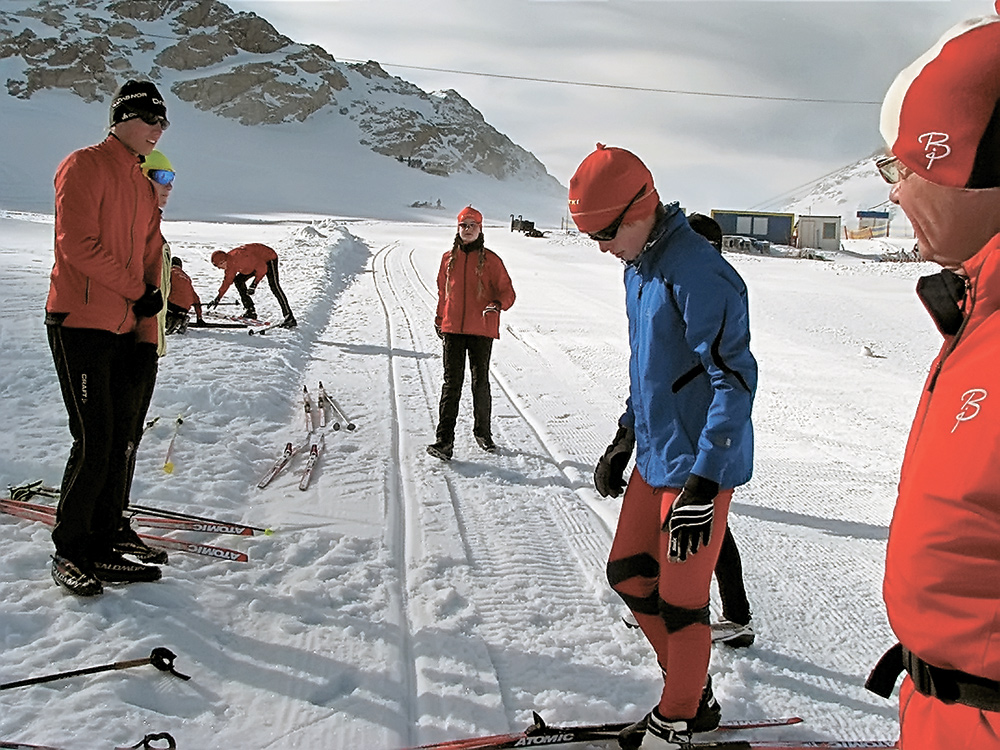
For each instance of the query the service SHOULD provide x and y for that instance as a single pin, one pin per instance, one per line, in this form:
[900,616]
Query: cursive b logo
[971,401]
[935,147]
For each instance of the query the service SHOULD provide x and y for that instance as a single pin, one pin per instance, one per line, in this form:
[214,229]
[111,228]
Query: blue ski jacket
[692,376]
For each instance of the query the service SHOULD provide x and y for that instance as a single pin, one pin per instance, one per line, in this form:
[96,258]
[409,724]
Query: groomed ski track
[402,600]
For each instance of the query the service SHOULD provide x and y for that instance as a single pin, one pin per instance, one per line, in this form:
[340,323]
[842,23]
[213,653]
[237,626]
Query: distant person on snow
[100,317]
[692,384]
[735,629]
[182,298]
[941,122]
[473,288]
[252,261]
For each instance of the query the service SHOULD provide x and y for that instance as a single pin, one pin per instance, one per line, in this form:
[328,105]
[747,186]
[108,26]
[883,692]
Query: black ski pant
[729,576]
[458,346]
[106,381]
[240,282]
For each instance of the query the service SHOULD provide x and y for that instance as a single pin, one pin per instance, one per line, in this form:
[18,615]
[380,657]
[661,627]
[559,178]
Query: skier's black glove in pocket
[149,304]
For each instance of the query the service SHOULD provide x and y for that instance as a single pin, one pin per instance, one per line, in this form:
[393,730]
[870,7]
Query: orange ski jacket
[464,294]
[942,577]
[107,241]
[250,259]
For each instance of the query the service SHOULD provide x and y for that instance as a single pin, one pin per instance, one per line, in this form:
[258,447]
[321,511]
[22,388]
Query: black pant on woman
[458,346]
[729,576]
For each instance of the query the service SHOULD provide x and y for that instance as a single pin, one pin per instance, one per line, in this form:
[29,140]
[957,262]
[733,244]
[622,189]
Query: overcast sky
[744,146]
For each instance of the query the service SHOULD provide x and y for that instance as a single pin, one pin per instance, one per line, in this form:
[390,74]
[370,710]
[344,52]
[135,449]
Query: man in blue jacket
[692,382]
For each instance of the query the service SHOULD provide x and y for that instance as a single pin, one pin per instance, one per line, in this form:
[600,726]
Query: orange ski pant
[669,599]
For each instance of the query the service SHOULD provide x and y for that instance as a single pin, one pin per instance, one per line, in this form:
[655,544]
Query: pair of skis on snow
[542,734]
[19,504]
[315,436]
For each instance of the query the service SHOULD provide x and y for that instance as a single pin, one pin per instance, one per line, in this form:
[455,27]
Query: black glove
[251,289]
[438,331]
[689,521]
[609,474]
[213,304]
[149,304]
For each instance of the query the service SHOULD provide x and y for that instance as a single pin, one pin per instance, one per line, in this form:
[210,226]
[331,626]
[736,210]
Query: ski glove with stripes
[689,521]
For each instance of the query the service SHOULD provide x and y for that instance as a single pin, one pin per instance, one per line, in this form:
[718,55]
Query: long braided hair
[478,246]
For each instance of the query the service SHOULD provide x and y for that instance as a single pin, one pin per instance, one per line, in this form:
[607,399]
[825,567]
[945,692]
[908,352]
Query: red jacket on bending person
[249,260]
[182,293]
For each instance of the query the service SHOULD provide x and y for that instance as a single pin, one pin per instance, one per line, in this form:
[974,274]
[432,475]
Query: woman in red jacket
[473,287]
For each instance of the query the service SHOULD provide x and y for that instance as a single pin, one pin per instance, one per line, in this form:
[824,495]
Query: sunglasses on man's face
[467,225]
[611,231]
[151,119]
[161,176]
[891,169]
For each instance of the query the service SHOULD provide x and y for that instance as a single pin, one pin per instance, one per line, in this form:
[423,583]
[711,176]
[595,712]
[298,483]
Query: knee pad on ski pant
[634,580]
[678,618]
[927,723]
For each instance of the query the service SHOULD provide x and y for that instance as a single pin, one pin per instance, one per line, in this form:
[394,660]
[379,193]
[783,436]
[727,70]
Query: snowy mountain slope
[246,104]
[402,600]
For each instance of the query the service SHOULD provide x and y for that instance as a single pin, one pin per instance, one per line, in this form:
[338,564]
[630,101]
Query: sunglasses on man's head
[149,118]
[161,176]
[611,231]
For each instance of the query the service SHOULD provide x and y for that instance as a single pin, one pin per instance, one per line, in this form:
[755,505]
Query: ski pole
[168,465]
[28,490]
[336,407]
[151,423]
[161,658]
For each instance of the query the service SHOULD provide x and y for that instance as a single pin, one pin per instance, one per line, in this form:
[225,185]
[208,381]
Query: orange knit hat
[470,214]
[605,183]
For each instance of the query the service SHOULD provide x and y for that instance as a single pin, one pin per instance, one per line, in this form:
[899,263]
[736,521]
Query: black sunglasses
[611,231]
[149,118]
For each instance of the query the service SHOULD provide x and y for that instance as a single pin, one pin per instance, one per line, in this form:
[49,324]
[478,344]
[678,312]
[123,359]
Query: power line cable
[620,87]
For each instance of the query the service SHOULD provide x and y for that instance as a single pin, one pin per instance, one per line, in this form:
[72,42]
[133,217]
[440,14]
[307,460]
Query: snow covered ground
[401,600]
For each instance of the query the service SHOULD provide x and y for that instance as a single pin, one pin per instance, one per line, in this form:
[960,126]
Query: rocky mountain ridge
[238,66]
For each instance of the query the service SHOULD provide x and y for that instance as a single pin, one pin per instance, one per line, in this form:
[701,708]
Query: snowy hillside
[247,105]
[857,187]
[401,600]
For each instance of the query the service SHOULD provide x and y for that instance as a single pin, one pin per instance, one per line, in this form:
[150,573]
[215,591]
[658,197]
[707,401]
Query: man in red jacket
[473,287]
[253,261]
[941,121]
[103,300]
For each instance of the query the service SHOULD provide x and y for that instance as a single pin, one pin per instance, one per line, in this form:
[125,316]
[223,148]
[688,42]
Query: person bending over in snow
[182,298]
[941,122]
[252,261]
[692,381]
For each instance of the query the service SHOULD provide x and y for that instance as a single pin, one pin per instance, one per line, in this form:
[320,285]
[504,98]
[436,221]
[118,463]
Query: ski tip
[539,721]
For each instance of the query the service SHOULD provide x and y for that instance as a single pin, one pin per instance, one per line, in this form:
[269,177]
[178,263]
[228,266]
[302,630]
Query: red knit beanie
[941,116]
[470,214]
[603,185]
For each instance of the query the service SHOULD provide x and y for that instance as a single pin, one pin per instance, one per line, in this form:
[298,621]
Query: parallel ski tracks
[502,570]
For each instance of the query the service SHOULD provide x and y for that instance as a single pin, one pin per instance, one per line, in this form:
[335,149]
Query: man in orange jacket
[252,261]
[941,121]
[103,300]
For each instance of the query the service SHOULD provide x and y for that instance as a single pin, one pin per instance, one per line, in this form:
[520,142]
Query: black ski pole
[161,658]
[146,743]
